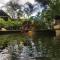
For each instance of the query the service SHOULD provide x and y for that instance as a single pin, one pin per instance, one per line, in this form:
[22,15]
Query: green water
[48,48]
[11,38]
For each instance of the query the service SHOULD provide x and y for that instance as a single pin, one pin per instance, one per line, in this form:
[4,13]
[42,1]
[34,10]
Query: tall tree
[13,9]
[54,6]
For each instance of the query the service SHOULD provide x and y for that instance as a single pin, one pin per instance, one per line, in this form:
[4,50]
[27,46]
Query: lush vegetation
[43,19]
[10,24]
[48,46]
[53,6]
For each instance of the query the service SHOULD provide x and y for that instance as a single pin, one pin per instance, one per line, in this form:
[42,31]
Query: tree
[54,6]
[13,9]
[28,9]
[43,2]
[51,12]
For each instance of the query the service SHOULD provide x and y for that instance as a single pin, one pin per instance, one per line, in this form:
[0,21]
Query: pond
[20,47]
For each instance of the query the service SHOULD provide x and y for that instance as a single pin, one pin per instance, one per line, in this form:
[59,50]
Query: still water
[20,47]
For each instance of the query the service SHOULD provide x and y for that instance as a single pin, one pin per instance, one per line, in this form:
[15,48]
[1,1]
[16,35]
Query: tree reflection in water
[47,48]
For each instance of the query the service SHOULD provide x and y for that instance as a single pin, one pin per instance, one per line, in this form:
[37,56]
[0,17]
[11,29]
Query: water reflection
[21,47]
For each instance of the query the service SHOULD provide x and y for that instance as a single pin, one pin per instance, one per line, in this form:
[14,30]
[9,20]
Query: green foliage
[10,23]
[10,39]
[55,7]
[51,12]
[47,17]
[14,22]
[42,20]
[2,22]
